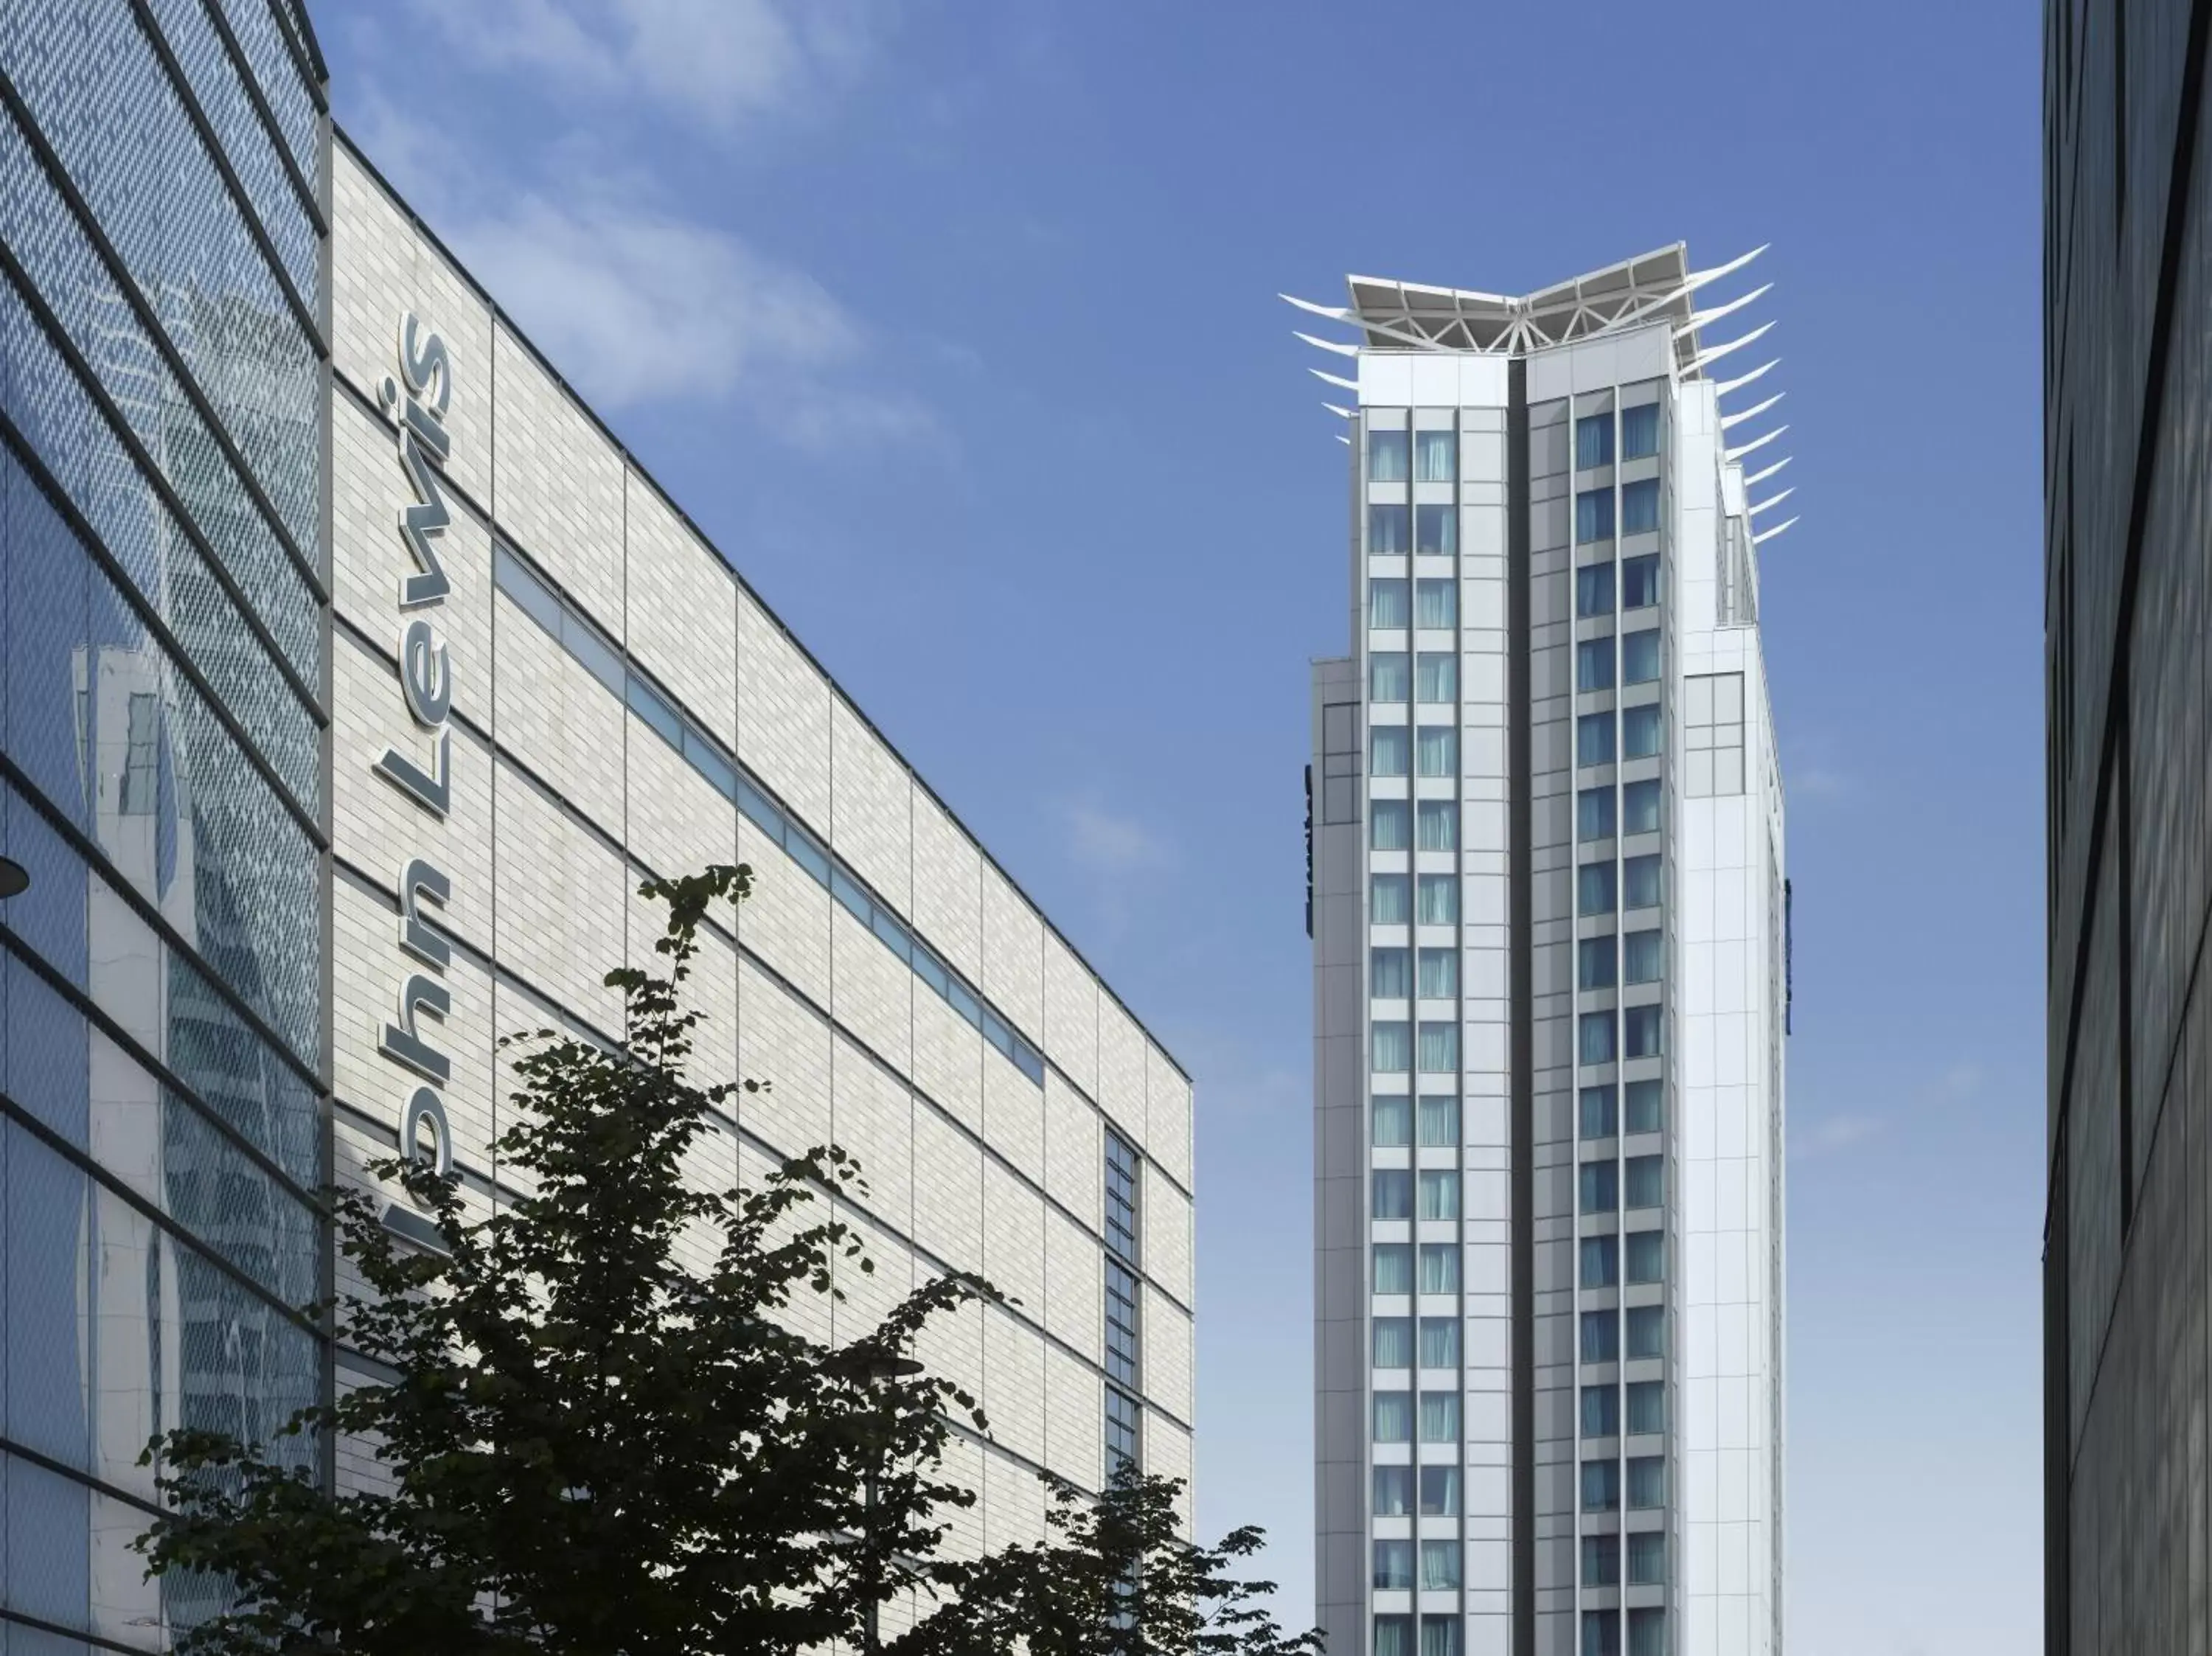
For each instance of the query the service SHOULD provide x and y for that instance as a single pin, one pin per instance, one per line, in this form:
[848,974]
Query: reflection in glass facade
[163,636]
[2128,287]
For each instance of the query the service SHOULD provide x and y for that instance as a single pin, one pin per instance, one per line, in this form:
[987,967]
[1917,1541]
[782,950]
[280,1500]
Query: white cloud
[1106,842]
[716,63]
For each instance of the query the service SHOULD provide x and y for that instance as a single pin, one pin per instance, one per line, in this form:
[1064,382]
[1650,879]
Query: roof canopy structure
[1651,288]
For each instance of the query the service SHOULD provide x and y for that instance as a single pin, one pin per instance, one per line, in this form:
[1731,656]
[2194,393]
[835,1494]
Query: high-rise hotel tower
[1549,916]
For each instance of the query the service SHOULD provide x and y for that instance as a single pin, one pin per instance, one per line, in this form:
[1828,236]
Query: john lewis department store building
[354,677]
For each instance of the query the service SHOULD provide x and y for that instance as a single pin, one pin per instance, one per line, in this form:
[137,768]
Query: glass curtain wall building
[1548,918]
[2128,609]
[164,678]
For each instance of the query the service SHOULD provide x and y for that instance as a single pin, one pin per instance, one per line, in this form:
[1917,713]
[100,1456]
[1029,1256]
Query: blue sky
[954,324]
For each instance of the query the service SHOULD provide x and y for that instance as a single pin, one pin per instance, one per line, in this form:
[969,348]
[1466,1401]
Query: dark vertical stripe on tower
[1523,1038]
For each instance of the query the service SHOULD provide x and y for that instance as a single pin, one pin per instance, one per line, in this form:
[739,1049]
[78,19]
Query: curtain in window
[1598,1112]
[1439,1048]
[1641,876]
[1393,1117]
[1647,1631]
[1439,1491]
[1639,807]
[1439,1267]
[1601,1411]
[1393,1417]
[1440,1634]
[1388,900]
[1593,892]
[1593,739]
[1390,973]
[1601,1336]
[1639,582]
[1596,1038]
[1439,1193]
[1386,456]
[1436,530]
[1437,455]
[1436,603]
[1647,1481]
[1594,966]
[1439,1417]
[1600,1633]
[1594,665]
[1389,825]
[1644,1105]
[1647,1406]
[1639,731]
[1641,1026]
[1437,677]
[1601,1262]
[1600,1486]
[1439,973]
[1593,814]
[1439,1120]
[1439,1341]
[1439,750]
[1642,953]
[1393,1046]
[1387,606]
[1393,1491]
[1593,516]
[1647,1332]
[1646,1254]
[1394,1343]
[1647,1557]
[1390,531]
[1440,900]
[1394,1268]
[1439,1574]
[1639,506]
[1393,1566]
[1593,441]
[1644,1180]
[1388,677]
[1393,1193]
[1594,589]
[1601,1561]
[1390,748]
[1639,656]
[1598,1183]
[1394,1636]
[1639,432]
[1439,824]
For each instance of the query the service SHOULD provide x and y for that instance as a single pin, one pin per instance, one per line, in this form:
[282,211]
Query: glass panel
[1647,1332]
[1593,441]
[1642,1028]
[1647,1558]
[1594,963]
[1390,973]
[1601,1561]
[1593,516]
[1598,1112]
[1393,1491]
[1394,1343]
[1593,739]
[1390,531]
[1439,825]
[1390,825]
[1600,1633]
[1640,875]
[1593,814]
[1394,1635]
[1387,605]
[1439,1574]
[1639,582]
[1439,1051]
[1439,1193]
[1389,676]
[1389,747]
[1593,890]
[1642,953]
[1599,1185]
[1393,1046]
[1639,506]
[1436,530]
[1601,1411]
[1439,1491]
[1594,665]
[1639,432]
[1393,1417]
[647,705]
[1393,1566]
[1639,656]
[1639,807]
[1437,455]
[1393,1193]
[1647,1406]
[1437,678]
[1439,1341]
[1439,1417]
[1439,1120]
[1393,1117]
[1601,1336]
[1600,1486]
[1644,1180]
[1440,1268]
[1639,731]
[1644,1105]
[1386,456]
[1647,1481]
[1646,1254]
[1440,900]
[1437,605]
[1388,899]
[1647,1631]
[1394,1268]
[1594,589]
[1439,750]
[1439,973]
[1601,1262]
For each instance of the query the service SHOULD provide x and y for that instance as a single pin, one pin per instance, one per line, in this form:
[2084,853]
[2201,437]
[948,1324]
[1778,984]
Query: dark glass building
[164,772]
[2127,583]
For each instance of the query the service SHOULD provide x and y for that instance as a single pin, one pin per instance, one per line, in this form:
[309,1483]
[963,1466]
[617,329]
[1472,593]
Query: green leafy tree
[1115,1577]
[589,1446]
